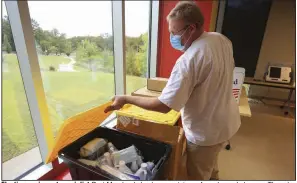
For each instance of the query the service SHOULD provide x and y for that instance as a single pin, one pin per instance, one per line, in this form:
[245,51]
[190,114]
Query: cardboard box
[176,166]
[156,84]
[144,92]
[174,136]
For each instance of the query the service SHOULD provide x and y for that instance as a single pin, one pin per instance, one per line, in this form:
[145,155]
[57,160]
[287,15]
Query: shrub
[52,68]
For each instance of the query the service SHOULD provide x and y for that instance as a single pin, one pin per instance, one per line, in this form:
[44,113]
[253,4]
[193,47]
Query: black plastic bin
[151,150]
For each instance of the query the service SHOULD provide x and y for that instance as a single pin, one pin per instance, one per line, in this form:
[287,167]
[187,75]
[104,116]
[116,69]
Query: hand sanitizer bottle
[123,168]
[108,159]
[134,166]
[150,165]
[142,172]
[111,148]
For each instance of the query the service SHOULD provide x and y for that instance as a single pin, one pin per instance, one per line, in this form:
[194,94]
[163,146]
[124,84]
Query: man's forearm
[153,104]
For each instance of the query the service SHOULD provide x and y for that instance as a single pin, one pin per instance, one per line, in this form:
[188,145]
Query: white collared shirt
[200,86]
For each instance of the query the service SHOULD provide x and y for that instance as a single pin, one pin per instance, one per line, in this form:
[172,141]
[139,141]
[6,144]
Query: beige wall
[278,45]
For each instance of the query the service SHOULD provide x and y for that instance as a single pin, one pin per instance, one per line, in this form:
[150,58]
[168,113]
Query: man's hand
[118,103]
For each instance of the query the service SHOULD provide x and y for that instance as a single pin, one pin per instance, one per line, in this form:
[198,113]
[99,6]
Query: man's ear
[193,28]
[198,25]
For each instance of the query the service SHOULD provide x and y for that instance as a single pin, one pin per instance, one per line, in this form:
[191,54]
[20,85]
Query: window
[18,135]
[137,26]
[75,48]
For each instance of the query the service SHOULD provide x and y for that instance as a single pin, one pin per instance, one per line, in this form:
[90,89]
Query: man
[200,86]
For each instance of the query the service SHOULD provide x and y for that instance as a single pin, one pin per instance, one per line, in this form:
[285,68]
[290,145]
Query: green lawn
[46,61]
[67,93]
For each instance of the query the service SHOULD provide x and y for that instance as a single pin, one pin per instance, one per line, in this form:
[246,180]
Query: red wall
[167,56]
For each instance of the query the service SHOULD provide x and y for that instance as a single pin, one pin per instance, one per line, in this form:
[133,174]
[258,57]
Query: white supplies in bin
[128,155]
[238,79]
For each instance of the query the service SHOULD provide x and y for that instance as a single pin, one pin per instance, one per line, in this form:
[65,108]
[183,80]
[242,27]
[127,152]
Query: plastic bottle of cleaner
[108,159]
[149,168]
[145,177]
[142,172]
[150,165]
[134,166]
[111,148]
[123,168]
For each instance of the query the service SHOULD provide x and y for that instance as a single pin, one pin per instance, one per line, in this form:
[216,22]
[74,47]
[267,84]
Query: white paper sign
[238,79]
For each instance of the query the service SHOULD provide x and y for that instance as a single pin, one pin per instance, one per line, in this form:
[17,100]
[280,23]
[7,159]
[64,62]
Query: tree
[143,54]
[141,64]
[104,41]
[76,41]
[6,30]
[134,43]
[45,46]
[54,36]
[144,41]
[55,32]
[108,42]
[35,25]
[99,41]
[107,62]
[53,49]
[68,48]
[39,35]
[61,43]
[6,45]
[130,59]
[86,52]
[8,48]
[88,48]
[61,46]
[136,55]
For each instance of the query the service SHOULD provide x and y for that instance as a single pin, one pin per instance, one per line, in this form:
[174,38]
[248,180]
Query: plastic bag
[128,155]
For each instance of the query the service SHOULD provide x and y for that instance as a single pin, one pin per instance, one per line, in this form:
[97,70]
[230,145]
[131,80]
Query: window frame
[118,21]
[220,16]
[153,38]
[18,14]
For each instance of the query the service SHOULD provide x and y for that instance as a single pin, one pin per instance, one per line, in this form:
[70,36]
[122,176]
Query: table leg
[286,105]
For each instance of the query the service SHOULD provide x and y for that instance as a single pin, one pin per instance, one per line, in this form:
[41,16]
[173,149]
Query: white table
[291,87]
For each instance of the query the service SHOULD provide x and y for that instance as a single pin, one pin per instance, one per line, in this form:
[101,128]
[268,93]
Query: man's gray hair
[187,11]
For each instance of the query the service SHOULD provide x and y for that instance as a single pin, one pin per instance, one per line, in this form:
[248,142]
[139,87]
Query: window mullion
[154,38]
[22,31]
[220,17]
[118,20]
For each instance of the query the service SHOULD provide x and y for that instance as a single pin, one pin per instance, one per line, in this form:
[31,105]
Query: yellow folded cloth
[142,114]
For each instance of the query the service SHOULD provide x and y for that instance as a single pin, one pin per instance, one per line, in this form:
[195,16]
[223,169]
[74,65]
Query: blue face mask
[175,41]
